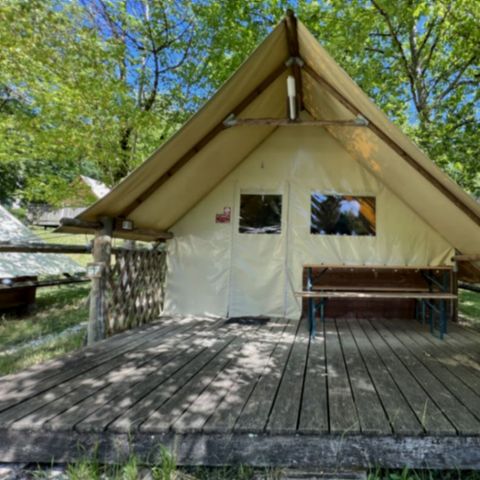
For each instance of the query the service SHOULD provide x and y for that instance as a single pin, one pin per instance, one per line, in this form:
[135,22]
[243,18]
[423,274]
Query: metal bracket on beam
[361,121]
[230,121]
[295,61]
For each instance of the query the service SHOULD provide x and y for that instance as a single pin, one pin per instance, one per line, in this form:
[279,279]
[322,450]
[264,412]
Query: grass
[469,308]
[57,309]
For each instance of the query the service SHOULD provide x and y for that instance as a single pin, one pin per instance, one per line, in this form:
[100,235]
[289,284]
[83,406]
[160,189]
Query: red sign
[223,217]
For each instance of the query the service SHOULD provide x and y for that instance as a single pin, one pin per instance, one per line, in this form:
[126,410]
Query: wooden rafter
[286,122]
[294,50]
[391,143]
[262,86]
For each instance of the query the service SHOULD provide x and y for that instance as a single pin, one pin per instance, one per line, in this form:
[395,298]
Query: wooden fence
[135,288]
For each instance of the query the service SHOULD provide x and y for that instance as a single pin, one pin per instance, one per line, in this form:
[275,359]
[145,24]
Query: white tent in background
[29,264]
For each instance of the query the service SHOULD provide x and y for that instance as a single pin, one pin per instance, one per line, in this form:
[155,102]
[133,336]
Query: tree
[418,60]
[86,89]
[94,86]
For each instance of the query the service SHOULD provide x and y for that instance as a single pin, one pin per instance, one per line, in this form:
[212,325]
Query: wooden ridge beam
[204,141]
[294,50]
[286,122]
[392,144]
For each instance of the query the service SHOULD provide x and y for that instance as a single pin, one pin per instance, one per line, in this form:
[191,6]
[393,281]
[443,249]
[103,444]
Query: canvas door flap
[258,252]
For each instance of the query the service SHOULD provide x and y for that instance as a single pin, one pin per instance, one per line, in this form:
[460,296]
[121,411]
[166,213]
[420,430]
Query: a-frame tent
[212,144]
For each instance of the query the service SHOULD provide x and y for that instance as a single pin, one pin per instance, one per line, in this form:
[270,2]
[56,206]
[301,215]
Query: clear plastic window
[343,215]
[260,213]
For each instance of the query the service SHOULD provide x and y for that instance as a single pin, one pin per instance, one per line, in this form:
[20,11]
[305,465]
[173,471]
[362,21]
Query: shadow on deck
[365,393]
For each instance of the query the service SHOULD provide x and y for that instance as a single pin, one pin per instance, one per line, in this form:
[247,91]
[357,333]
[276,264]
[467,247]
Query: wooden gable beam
[76,225]
[294,50]
[261,87]
[391,143]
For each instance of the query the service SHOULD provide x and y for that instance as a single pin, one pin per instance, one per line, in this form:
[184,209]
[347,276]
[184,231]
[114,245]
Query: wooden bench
[424,297]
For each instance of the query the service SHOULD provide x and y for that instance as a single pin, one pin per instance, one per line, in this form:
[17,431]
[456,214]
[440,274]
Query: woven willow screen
[135,289]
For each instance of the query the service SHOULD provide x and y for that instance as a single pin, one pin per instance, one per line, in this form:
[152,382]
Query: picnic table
[318,296]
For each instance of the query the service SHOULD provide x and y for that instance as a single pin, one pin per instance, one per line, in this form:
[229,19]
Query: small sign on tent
[223,217]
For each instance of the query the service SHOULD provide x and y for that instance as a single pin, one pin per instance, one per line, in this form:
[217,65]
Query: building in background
[84,191]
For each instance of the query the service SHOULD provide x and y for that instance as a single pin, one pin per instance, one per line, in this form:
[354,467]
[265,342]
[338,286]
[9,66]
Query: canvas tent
[196,185]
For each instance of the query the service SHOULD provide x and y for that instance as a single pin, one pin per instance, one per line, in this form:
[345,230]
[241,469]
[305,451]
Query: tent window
[342,215]
[260,213]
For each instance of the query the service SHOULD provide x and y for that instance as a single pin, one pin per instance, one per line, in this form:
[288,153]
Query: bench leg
[443,318]
[311,317]
[322,310]
[423,306]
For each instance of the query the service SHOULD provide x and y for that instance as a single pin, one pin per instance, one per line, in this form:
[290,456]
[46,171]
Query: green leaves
[95,86]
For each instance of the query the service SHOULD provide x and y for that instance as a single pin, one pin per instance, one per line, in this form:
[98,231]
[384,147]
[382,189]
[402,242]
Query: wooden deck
[364,393]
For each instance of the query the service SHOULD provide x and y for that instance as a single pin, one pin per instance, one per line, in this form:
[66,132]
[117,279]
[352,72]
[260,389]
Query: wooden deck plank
[429,415]
[64,410]
[464,422]
[285,413]
[23,384]
[225,380]
[249,360]
[44,370]
[401,416]
[229,409]
[369,407]
[343,413]
[140,400]
[466,332]
[185,394]
[314,408]
[453,359]
[254,415]
[452,385]
[32,398]
[464,341]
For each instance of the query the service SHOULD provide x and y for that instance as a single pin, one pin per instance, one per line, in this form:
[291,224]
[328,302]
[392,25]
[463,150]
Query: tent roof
[187,167]
[29,264]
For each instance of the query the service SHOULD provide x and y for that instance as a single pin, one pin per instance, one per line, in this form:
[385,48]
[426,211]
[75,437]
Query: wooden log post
[102,246]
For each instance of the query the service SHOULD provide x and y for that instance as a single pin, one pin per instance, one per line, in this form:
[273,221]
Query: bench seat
[376,294]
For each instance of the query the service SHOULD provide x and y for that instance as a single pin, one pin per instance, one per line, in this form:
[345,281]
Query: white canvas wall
[212,269]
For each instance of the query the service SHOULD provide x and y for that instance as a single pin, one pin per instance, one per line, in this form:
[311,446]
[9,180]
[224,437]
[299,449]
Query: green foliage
[166,468]
[94,87]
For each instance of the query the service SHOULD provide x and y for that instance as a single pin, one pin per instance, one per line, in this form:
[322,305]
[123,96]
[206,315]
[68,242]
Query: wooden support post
[102,245]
